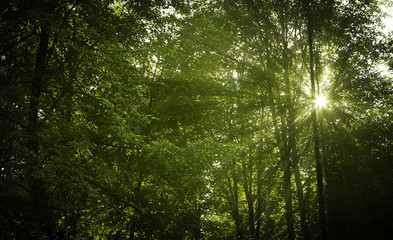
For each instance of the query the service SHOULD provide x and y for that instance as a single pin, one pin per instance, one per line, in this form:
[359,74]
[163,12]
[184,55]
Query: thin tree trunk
[68,85]
[299,186]
[285,152]
[37,191]
[258,212]
[36,88]
[294,154]
[292,146]
[259,198]
[235,210]
[249,196]
[284,156]
[321,200]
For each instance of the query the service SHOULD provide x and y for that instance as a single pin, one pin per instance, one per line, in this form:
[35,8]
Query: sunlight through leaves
[321,101]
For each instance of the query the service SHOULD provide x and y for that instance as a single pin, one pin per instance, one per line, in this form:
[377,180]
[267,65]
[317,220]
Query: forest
[196,119]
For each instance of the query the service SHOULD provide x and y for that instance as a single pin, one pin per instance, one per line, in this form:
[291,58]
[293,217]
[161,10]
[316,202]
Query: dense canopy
[197,119]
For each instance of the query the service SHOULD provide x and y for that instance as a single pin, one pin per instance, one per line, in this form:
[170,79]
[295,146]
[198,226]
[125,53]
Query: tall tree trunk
[292,135]
[36,88]
[299,186]
[248,186]
[294,153]
[259,197]
[68,85]
[284,157]
[235,206]
[285,152]
[258,212]
[288,192]
[321,200]
[41,208]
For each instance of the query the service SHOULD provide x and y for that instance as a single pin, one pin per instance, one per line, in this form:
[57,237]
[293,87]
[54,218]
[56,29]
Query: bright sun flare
[321,101]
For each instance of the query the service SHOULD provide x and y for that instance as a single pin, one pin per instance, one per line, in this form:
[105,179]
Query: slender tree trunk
[249,196]
[321,200]
[41,205]
[285,152]
[294,153]
[258,212]
[234,189]
[284,156]
[292,143]
[299,186]
[295,161]
[288,194]
[259,198]
[68,85]
[36,88]
[238,219]
[235,207]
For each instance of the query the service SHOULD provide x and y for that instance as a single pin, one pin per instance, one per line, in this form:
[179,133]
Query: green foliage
[192,120]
